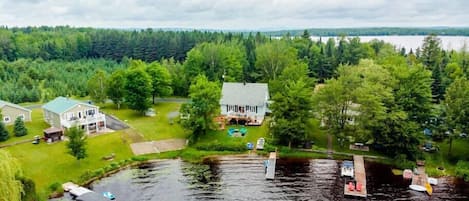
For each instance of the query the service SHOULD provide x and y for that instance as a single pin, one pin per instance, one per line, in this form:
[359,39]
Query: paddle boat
[109,195]
[347,169]
[260,144]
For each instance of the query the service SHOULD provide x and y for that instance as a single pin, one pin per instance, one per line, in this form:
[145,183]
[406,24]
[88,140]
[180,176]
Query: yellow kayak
[429,188]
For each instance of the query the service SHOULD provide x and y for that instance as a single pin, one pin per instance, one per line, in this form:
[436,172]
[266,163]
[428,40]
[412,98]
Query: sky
[235,14]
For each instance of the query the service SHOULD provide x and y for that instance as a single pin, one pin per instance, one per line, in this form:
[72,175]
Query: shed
[53,134]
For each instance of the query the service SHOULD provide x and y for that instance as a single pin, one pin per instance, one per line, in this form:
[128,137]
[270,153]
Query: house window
[227,108]
[256,109]
[90,112]
[6,119]
[21,116]
[79,115]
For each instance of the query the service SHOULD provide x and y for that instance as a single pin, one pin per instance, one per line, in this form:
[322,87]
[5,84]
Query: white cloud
[234,14]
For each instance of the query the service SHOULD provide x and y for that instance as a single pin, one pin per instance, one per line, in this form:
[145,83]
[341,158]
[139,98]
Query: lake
[413,42]
[242,178]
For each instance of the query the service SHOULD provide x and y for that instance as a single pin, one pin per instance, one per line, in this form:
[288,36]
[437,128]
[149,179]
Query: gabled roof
[61,104]
[3,103]
[234,93]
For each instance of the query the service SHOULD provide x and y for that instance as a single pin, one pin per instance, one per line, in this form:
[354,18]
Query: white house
[64,113]
[245,102]
[12,111]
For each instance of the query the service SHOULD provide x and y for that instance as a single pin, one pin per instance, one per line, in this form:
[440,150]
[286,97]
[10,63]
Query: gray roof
[61,104]
[3,103]
[234,93]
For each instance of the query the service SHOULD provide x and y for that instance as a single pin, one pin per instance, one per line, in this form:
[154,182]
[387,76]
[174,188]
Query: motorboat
[347,169]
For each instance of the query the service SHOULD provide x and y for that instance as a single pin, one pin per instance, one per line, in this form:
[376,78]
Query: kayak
[109,195]
[429,188]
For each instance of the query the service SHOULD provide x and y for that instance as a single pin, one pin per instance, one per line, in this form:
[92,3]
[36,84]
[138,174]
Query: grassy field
[158,127]
[50,163]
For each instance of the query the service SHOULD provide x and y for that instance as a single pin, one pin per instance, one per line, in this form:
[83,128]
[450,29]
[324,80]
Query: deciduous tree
[10,188]
[116,87]
[160,80]
[77,143]
[138,90]
[97,87]
[204,106]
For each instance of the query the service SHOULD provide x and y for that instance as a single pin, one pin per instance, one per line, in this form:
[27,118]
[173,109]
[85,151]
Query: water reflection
[242,178]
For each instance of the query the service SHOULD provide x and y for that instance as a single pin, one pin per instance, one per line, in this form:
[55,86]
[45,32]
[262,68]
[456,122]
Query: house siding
[13,113]
[52,118]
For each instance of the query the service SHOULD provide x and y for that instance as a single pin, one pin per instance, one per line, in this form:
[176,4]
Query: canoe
[418,188]
[429,188]
[433,181]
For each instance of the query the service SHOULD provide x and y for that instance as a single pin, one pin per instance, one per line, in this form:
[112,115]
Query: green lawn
[35,127]
[152,128]
[254,133]
[50,163]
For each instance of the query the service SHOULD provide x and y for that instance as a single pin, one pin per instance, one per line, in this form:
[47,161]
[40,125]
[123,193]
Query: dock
[360,179]
[270,166]
[82,193]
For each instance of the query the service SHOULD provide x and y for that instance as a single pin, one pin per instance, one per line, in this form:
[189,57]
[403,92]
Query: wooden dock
[270,169]
[360,178]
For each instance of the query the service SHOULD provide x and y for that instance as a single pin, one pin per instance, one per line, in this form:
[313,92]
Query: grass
[50,163]
[253,133]
[35,127]
[442,159]
[158,127]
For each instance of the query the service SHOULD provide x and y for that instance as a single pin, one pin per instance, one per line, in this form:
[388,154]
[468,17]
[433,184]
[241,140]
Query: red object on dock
[351,187]
[359,186]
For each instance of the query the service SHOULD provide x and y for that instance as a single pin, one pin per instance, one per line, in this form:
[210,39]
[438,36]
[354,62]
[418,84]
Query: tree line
[377,31]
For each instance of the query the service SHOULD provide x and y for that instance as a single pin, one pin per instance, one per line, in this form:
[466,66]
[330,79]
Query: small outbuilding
[53,134]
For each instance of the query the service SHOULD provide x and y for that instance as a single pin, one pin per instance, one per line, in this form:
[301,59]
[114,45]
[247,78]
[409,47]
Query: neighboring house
[64,113]
[12,111]
[245,102]
[350,114]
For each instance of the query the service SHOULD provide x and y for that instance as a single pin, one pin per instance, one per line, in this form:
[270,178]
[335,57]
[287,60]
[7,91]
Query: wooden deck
[360,177]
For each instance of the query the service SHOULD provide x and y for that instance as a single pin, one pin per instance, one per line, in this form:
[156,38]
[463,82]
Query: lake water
[413,42]
[242,178]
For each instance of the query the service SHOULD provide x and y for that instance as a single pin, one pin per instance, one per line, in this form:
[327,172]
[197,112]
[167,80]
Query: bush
[139,158]
[54,186]
[401,162]
[462,170]
[226,146]
[29,189]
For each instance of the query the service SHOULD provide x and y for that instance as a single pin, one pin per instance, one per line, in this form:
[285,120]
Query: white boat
[433,181]
[418,188]
[347,169]
[260,144]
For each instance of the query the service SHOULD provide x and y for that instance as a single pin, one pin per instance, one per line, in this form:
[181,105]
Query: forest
[377,31]
[395,93]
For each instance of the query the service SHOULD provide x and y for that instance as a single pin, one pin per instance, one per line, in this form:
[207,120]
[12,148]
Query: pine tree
[3,132]
[19,128]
